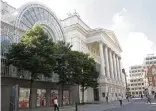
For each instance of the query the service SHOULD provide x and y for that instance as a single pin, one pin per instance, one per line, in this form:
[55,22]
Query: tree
[35,54]
[84,71]
[62,67]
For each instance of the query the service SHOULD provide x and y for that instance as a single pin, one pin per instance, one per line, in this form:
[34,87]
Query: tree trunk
[82,95]
[30,96]
[62,94]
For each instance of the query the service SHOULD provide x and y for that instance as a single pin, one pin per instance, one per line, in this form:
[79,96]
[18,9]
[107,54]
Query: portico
[110,80]
[103,46]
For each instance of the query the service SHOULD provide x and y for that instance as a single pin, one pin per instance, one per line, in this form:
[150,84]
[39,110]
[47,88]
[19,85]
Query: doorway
[96,94]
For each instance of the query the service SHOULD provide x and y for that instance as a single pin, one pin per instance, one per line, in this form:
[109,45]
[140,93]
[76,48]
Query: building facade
[150,60]
[136,80]
[150,64]
[14,23]
[101,44]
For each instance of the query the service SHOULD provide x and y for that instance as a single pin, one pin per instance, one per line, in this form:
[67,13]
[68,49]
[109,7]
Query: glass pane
[41,97]
[54,93]
[24,97]
[66,97]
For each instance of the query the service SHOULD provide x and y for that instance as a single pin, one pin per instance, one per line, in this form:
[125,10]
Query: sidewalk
[87,107]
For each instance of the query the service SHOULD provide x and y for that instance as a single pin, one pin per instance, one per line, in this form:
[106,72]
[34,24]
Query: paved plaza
[133,105]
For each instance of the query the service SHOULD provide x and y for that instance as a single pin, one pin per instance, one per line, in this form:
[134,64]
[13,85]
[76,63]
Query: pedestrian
[127,97]
[141,96]
[120,99]
[155,95]
[56,104]
[148,98]
[107,99]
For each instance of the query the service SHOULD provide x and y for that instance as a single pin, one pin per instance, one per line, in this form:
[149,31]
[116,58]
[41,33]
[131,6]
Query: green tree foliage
[84,71]
[62,67]
[35,54]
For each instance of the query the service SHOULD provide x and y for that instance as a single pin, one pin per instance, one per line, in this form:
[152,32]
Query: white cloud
[135,45]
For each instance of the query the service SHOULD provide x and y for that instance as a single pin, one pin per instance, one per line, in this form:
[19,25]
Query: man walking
[107,99]
[127,97]
[56,104]
[148,99]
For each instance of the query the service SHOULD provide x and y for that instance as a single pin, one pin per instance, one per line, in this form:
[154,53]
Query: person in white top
[120,99]
[56,104]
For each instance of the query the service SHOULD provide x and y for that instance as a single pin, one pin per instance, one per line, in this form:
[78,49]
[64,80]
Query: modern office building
[136,80]
[150,60]
[101,44]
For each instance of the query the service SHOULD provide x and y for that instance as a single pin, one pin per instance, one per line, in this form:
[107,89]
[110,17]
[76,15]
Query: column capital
[118,56]
[100,42]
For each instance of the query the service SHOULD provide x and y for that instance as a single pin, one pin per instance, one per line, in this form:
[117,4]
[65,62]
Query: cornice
[76,27]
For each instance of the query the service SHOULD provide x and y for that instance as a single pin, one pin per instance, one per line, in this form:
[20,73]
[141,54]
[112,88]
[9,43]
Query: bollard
[76,109]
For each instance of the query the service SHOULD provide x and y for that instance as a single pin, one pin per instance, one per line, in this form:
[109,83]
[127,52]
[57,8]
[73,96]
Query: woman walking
[56,104]
[120,99]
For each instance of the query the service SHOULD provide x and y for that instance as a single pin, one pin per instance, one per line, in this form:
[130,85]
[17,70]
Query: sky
[133,21]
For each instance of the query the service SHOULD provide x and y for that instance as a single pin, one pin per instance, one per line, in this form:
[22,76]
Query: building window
[66,97]
[54,94]
[41,97]
[151,84]
[24,97]
[103,94]
[150,78]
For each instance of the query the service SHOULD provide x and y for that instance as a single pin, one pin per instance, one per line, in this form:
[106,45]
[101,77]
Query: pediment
[113,37]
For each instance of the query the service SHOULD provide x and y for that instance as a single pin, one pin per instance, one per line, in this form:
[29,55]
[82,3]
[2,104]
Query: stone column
[102,69]
[107,61]
[111,63]
[118,68]
[115,68]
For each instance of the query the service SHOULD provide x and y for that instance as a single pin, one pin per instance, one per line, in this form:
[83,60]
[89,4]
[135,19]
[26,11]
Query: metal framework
[34,13]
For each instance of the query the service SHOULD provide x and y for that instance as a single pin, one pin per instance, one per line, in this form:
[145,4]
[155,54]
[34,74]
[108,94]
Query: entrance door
[96,94]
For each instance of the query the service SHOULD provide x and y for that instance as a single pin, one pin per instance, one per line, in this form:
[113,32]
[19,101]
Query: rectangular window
[66,97]
[103,94]
[24,97]
[41,97]
[150,78]
[54,94]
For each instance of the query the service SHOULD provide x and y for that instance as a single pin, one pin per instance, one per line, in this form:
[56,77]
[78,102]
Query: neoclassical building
[101,44]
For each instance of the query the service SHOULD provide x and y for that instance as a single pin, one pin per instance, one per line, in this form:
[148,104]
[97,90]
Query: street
[133,105]
[137,105]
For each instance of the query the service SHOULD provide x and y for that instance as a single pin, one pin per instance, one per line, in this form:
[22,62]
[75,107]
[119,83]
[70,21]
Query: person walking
[120,99]
[148,99]
[107,99]
[127,97]
[141,96]
[56,104]
[155,95]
